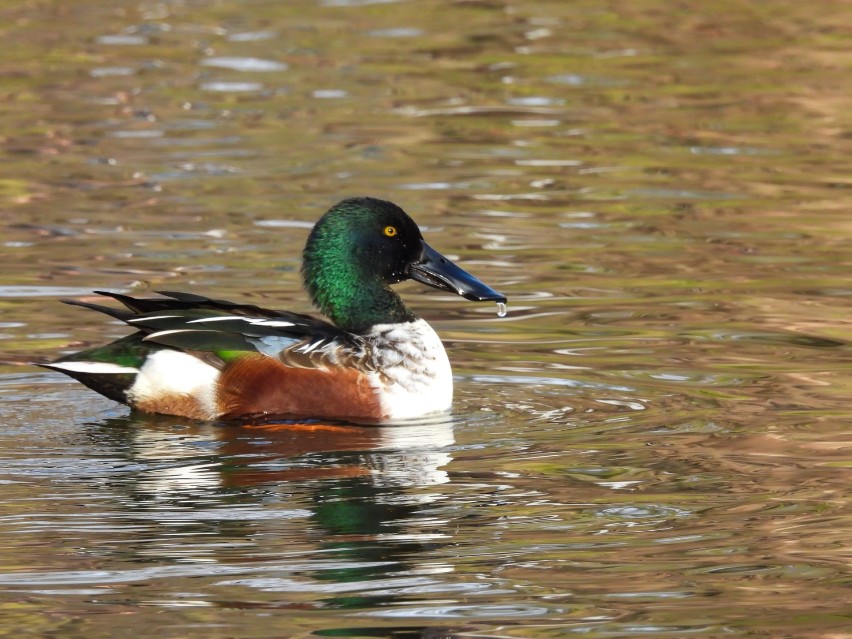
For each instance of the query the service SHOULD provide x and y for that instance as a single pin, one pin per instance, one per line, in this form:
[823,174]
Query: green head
[363,245]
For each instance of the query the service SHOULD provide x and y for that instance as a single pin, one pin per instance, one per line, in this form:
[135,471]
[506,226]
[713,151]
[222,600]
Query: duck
[215,360]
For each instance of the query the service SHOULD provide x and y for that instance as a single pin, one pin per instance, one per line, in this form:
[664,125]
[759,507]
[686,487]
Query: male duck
[211,359]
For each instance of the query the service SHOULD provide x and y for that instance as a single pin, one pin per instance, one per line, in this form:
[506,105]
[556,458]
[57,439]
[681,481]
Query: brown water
[655,442]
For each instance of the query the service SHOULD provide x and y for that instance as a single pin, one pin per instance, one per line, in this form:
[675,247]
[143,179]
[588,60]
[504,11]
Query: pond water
[654,442]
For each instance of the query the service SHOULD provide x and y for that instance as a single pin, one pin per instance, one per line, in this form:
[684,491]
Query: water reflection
[350,497]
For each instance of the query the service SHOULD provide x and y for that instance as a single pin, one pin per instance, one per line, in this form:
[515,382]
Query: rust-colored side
[262,385]
[174,404]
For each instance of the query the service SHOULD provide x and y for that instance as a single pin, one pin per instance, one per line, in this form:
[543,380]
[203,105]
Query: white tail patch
[94,368]
[170,374]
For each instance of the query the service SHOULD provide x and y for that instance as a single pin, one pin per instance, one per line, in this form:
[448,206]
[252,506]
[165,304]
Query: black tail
[117,313]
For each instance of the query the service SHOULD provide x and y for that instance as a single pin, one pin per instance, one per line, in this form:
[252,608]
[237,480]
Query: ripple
[106,72]
[284,224]
[535,101]
[240,513]
[252,65]
[375,587]
[683,194]
[433,186]
[43,291]
[251,36]
[329,94]
[789,339]
[667,594]
[355,3]
[231,87]
[461,611]
[558,163]
[547,381]
[143,133]
[536,122]
[698,378]
[400,32]
[577,80]
[729,150]
[122,40]
[643,512]
[98,577]
[413,111]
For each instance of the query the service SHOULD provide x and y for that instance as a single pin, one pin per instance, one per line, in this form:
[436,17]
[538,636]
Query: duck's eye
[390,231]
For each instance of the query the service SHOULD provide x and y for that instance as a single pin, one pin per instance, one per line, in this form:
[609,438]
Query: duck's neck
[352,299]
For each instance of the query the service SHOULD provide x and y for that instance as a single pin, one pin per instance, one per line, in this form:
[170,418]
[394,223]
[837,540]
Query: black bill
[437,271]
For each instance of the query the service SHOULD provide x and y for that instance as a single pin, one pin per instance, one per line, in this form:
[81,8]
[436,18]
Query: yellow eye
[390,231]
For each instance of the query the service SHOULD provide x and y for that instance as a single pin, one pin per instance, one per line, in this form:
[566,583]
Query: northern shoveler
[211,359]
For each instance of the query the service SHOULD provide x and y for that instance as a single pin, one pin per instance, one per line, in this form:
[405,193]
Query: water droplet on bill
[502,309]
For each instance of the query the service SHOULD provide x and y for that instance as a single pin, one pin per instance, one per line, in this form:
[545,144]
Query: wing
[219,331]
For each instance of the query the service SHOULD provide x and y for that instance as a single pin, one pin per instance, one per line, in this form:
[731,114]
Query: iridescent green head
[363,245]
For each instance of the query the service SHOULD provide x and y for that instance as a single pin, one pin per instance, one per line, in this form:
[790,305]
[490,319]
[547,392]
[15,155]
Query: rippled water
[654,441]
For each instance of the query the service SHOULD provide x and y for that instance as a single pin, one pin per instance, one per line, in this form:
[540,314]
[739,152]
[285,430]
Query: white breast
[414,377]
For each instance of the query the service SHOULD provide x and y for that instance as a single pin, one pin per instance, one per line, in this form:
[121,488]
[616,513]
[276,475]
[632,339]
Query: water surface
[654,442]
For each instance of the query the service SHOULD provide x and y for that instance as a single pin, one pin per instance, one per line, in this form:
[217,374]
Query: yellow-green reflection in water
[653,442]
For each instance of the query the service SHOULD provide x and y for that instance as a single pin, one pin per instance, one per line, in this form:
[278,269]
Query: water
[654,442]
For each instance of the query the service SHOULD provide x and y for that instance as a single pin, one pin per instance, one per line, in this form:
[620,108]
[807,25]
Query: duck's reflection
[342,512]
[402,456]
